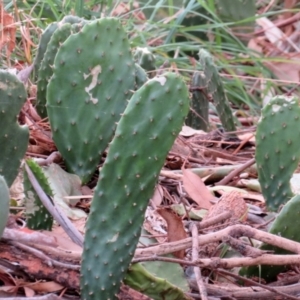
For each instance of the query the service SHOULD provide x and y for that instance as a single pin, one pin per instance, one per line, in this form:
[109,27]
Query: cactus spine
[92,80]
[4,202]
[13,137]
[144,135]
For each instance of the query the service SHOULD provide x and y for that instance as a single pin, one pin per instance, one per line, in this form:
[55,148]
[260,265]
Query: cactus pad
[13,137]
[37,215]
[4,202]
[216,90]
[144,135]
[92,80]
[198,115]
[45,71]
[277,149]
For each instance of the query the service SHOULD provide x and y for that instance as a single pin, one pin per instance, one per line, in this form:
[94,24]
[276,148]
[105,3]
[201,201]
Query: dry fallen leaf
[196,189]
[176,230]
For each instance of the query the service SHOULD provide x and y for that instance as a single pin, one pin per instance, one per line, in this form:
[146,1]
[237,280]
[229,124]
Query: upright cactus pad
[13,137]
[198,115]
[277,149]
[37,215]
[92,80]
[45,38]
[216,90]
[286,225]
[45,71]
[4,204]
[144,135]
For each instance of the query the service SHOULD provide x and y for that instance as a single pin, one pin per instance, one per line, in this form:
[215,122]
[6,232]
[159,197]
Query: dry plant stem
[53,157]
[45,258]
[229,263]
[249,281]
[195,255]
[61,219]
[212,152]
[236,172]
[247,293]
[286,281]
[35,237]
[233,231]
[214,220]
[242,248]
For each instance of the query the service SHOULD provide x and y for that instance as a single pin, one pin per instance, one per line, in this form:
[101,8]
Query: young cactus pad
[37,215]
[45,38]
[46,69]
[92,80]
[216,90]
[198,115]
[277,149]
[4,202]
[13,137]
[144,135]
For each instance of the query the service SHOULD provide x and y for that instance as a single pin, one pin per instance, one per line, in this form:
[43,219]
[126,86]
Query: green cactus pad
[4,202]
[13,137]
[154,287]
[45,38]
[63,31]
[93,77]
[286,225]
[144,135]
[216,90]
[37,215]
[277,149]
[198,115]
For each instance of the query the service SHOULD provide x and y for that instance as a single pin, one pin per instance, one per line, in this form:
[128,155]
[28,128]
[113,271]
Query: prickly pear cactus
[198,115]
[216,90]
[144,135]
[13,137]
[145,58]
[63,31]
[4,202]
[286,225]
[277,149]
[37,215]
[45,38]
[92,80]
